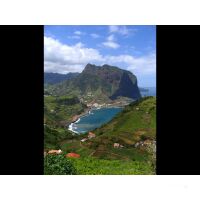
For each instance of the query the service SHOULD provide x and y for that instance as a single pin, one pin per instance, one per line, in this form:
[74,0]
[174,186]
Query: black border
[177,102]
[21,140]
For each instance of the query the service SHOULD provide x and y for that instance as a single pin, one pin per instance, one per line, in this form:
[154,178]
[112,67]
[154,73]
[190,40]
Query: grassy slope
[93,166]
[131,124]
[58,109]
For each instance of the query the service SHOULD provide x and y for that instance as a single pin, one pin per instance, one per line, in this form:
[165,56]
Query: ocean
[94,119]
[151,91]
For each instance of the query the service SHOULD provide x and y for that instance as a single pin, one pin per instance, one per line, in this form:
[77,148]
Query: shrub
[58,165]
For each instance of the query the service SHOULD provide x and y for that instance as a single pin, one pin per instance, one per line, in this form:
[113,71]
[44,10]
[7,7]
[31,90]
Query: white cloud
[78,33]
[110,42]
[140,65]
[111,38]
[94,35]
[123,30]
[63,58]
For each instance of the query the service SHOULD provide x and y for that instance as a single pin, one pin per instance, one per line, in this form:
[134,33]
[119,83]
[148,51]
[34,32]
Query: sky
[69,48]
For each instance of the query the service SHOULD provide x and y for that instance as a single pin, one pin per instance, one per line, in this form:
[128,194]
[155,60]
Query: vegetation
[136,122]
[98,156]
[58,112]
[53,137]
[58,165]
[94,166]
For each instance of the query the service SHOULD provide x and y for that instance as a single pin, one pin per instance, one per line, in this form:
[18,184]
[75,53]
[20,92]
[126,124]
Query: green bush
[58,165]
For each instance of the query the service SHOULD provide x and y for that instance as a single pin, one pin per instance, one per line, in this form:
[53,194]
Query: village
[141,144]
[91,102]
[94,104]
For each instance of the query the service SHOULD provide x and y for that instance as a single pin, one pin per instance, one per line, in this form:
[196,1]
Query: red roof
[73,155]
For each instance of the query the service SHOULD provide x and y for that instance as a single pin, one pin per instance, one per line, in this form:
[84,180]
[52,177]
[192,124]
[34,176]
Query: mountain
[100,83]
[53,78]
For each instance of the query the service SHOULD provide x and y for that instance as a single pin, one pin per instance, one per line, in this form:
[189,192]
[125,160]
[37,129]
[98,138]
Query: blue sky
[70,48]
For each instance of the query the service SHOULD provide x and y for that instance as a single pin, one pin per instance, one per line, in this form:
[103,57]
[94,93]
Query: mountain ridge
[54,78]
[102,82]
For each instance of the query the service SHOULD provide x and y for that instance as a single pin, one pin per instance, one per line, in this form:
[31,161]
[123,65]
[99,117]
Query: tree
[58,165]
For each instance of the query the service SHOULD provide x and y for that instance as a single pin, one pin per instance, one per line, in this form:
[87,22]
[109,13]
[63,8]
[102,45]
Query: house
[72,155]
[147,142]
[91,135]
[137,144]
[116,145]
[84,139]
[54,152]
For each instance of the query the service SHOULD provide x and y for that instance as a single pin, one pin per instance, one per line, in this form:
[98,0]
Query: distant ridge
[54,78]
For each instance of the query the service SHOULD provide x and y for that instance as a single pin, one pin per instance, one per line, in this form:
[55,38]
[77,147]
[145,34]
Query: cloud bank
[63,58]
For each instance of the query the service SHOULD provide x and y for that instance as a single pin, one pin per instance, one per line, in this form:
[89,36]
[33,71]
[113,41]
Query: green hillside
[137,121]
[58,113]
[136,124]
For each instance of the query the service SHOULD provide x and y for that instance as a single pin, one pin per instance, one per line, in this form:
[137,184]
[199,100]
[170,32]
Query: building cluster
[90,136]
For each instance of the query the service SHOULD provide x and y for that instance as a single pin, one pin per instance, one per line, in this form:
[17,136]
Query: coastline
[70,128]
[88,111]
[76,119]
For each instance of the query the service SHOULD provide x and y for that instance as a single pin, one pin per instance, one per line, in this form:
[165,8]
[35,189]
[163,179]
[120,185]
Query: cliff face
[103,82]
[127,88]
[116,81]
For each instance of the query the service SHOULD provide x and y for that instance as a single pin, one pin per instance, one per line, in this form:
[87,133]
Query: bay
[95,119]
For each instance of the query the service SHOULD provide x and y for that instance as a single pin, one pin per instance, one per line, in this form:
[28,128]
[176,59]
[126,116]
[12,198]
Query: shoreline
[77,118]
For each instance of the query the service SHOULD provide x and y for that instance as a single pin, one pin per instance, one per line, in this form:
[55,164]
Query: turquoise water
[95,119]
